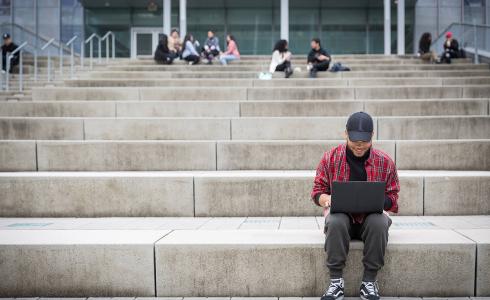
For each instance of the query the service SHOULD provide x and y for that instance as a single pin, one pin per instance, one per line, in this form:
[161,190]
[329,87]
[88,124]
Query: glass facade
[254,23]
[347,26]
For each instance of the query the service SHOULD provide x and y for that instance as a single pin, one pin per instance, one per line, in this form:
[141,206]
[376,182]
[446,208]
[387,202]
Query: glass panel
[474,11]
[253,28]
[304,24]
[72,22]
[144,44]
[344,31]
[5,11]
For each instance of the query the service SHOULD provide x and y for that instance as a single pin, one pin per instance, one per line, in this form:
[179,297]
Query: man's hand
[325,200]
[323,57]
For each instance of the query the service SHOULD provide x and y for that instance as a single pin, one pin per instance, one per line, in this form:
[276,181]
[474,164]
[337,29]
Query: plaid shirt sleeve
[392,186]
[322,181]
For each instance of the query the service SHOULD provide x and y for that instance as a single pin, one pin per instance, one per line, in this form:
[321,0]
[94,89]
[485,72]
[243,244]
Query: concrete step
[295,61]
[163,262]
[244,93]
[220,194]
[226,74]
[265,67]
[264,128]
[227,155]
[259,93]
[278,82]
[212,109]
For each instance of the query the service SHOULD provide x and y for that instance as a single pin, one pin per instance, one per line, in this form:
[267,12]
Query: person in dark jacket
[451,48]
[7,48]
[424,48]
[318,58]
[163,55]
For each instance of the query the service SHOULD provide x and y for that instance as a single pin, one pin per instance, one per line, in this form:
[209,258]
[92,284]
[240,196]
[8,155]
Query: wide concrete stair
[142,180]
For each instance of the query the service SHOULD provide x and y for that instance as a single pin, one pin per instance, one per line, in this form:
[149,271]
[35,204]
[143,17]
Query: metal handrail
[72,61]
[106,37]
[49,57]
[32,34]
[47,44]
[21,67]
[89,40]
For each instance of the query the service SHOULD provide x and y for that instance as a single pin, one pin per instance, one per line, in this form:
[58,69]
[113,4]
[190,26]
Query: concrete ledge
[18,156]
[301,108]
[267,259]
[41,129]
[57,109]
[443,127]
[197,109]
[476,91]
[316,128]
[458,155]
[265,194]
[245,128]
[289,93]
[279,155]
[157,129]
[419,92]
[96,195]
[199,93]
[71,93]
[126,156]
[423,107]
[217,194]
[75,263]
[482,238]
[457,195]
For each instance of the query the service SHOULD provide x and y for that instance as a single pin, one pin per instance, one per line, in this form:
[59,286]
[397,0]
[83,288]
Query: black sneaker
[335,290]
[288,72]
[369,290]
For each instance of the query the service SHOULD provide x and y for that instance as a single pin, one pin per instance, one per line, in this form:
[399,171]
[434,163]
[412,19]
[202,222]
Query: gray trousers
[339,230]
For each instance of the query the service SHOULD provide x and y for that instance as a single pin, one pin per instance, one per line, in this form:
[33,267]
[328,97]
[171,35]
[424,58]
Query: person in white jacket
[281,59]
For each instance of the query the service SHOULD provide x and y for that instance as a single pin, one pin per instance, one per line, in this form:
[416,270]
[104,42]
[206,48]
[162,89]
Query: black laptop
[358,197]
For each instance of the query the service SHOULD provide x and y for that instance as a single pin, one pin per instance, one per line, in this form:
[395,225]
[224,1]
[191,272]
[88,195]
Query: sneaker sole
[364,298]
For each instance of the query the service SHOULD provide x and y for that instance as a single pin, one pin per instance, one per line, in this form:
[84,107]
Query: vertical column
[60,21]
[400,39]
[183,17]
[167,10]
[285,19]
[387,27]
[36,24]
[12,17]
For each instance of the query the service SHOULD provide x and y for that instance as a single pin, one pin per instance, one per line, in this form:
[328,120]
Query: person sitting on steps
[9,47]
[163,55]
[231,52]
[175,44]
[355,160]
[281,59]
[424,48]
[190,53]
[451,49]
[211,48]
[318,58]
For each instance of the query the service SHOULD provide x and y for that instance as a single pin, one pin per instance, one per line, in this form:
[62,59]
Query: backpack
[338,67]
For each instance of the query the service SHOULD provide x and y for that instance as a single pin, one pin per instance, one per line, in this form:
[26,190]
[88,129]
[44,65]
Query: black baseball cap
[360,127]
[6,36]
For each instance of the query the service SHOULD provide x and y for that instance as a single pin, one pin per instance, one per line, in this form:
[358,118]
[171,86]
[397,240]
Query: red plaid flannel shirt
[334,167]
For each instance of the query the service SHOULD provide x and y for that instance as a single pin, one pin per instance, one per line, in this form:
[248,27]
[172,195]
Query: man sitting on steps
[356,160]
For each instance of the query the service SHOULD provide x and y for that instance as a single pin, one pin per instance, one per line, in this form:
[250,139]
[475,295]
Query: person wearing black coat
[451,49]
[7,48]
[318,58]
[162,53]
